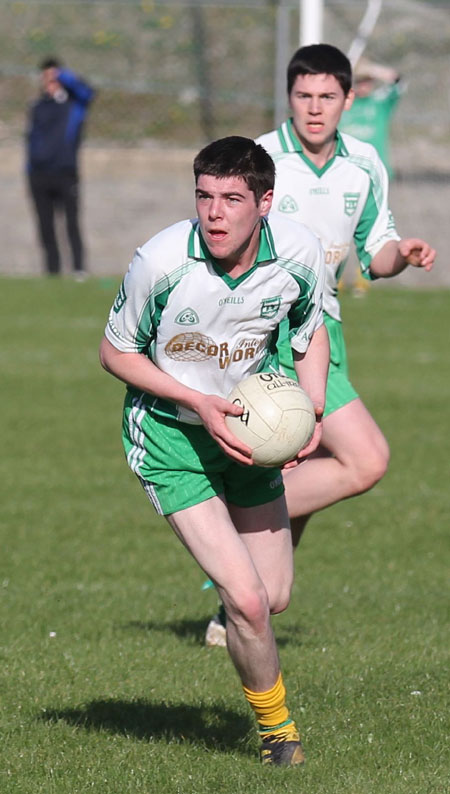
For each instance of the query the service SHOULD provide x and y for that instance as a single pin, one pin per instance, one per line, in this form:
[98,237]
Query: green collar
[290,143]
[197,249]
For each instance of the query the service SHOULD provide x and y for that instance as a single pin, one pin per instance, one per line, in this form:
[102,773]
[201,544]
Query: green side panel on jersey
[156,302]
[149,319]
[370,211]
[285,355]
[375,180]
[271,361]
[306,279]
[298,315]
[365,225]
[339,391]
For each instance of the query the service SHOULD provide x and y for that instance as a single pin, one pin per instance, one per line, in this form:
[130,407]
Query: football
[278,417]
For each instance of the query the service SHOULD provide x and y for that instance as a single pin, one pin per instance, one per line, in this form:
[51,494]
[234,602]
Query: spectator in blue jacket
[53,140]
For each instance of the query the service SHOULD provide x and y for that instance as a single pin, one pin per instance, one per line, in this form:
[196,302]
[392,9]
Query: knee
[252,607]
[250,610]
[372,467]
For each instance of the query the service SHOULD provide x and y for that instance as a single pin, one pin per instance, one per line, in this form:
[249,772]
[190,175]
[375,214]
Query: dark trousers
[51,192]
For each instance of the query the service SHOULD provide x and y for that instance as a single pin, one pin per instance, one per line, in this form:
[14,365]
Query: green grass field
[105,683]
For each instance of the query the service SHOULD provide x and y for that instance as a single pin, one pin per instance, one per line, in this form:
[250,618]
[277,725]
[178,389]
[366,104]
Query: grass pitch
[105,683]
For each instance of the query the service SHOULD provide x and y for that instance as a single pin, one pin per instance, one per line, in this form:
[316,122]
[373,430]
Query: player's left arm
[312,372]
[395,256]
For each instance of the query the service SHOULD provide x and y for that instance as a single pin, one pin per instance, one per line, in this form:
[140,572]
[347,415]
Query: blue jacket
[55,127]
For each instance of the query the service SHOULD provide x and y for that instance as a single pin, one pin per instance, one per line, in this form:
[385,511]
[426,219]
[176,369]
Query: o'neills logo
[198,347]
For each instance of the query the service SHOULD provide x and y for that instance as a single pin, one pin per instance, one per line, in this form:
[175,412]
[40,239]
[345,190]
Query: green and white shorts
[180,465]
[339,389]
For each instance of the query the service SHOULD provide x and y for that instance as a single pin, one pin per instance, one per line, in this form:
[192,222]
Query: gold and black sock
[272,713]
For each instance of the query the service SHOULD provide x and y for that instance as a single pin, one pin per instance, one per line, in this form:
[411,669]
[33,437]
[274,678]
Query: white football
[278,418]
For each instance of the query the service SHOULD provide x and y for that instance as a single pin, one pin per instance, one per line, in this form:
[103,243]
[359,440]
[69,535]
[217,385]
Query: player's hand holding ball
[277,420]
[214,411]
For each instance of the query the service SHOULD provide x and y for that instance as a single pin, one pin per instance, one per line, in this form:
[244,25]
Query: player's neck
[242,259]
[319,153]
[237,267]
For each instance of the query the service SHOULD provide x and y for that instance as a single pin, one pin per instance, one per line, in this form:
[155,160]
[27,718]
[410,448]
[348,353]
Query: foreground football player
[198,311]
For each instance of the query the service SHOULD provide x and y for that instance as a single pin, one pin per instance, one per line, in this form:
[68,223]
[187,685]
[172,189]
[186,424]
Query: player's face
[230,218]
[317,102]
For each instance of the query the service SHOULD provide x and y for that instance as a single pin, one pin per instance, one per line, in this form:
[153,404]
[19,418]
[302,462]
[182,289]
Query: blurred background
[170,76]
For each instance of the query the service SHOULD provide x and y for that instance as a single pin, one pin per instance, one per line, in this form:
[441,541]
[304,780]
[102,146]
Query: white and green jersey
[346,199]
[206,329]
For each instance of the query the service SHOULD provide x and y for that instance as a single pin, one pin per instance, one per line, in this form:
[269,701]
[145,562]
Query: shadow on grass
[194,630]
[213,727]
[288,634]
[191,630]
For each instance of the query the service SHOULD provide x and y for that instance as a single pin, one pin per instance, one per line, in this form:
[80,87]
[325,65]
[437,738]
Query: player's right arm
[395,257]
[381,251]
[139,371]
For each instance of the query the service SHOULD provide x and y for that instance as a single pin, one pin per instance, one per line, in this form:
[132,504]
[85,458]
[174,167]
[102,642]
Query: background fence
[187,71]
[172,75]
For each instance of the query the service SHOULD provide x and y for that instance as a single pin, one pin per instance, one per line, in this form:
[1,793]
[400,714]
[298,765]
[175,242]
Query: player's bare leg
[264,531]
[354,457]
[239,565]
[247,552]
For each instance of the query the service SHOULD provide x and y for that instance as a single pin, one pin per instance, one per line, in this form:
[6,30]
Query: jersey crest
[187,317]
[270,307]
[351,203]
[287,204]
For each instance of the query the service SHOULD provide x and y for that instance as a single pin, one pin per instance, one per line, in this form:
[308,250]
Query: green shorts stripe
[180,465]
[340,391]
